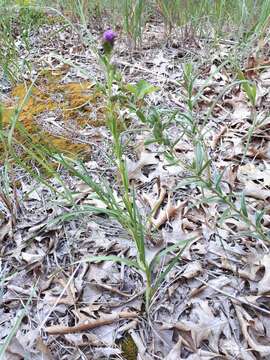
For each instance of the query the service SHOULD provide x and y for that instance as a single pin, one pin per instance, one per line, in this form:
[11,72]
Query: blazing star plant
[126,211]
[123,206]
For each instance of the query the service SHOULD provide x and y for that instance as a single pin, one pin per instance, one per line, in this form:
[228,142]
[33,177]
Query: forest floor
[215,302]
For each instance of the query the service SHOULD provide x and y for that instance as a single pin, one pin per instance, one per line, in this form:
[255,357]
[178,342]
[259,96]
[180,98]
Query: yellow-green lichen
[129,348]
[76,103]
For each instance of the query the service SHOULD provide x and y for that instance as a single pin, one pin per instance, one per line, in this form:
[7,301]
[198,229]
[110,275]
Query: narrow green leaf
[169,267]
[116,259]
[258,218]
[243,205]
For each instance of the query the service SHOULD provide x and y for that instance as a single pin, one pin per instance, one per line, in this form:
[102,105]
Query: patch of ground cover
[18,22]
[55,114]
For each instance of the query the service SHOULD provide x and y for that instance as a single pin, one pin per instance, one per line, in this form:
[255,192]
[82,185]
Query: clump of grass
[241,19]
[17,18]
[133,16]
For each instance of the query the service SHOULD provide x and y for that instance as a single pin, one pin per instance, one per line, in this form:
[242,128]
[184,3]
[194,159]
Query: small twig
[135,296]
[110,288]
[90,324]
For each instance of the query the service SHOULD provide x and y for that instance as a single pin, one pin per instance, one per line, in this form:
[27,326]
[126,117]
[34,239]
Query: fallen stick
[90,324]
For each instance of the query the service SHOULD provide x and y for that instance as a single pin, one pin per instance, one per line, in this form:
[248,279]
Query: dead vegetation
[214,304]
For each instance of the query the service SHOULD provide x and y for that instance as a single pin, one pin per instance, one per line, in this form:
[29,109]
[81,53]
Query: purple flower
[109,36]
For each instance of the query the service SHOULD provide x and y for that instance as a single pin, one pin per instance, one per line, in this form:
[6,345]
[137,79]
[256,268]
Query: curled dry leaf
[203,325]
[155,202]
[248,324]
[169,212]
[193,269]
[255,191]
[5,229]
[84,339]
[134,168]
[174,354]
[264,283]
[217,137]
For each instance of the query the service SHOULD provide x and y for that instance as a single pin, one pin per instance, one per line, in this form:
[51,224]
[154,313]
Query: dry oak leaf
[134,168]
[264,283]
[174,354]
[256,191]
[241,109]
[251,172]
[169,212]
[203,325]
[248,325]
[5,229]
[233,350]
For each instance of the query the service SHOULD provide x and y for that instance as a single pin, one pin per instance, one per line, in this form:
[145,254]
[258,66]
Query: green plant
[124,206]
[125,209]
[133,19]
[251,92]
[200,168]
[17,20]
[16,323]
[8,50]
[29,18]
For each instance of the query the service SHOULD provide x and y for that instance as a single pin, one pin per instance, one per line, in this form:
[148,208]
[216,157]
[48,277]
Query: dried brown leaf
[5,229]
[247,324]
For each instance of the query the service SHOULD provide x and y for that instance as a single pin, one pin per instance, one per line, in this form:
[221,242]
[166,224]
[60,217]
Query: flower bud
[108,38]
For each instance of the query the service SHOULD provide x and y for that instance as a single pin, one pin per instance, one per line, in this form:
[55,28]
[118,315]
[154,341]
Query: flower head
[109,36]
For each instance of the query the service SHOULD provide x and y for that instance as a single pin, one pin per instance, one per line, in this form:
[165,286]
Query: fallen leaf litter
[214,304]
